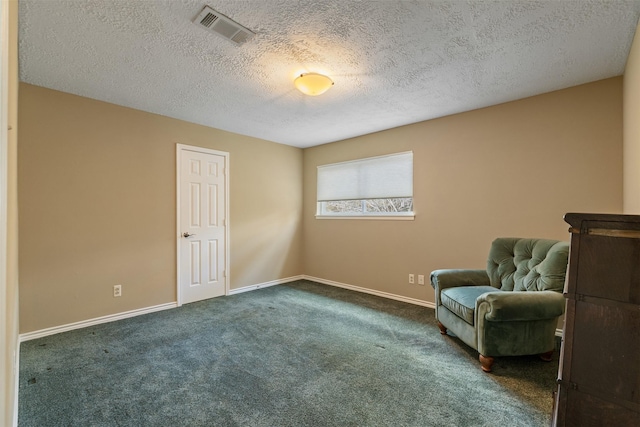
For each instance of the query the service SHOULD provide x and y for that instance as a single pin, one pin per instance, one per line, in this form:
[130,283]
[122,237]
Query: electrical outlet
[117,290]
[412,279]
[420,279]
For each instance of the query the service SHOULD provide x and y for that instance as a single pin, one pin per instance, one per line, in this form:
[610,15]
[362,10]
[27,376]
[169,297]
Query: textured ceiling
[393,62]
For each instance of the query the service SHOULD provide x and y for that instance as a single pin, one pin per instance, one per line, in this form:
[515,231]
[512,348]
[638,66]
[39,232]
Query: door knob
[186,234]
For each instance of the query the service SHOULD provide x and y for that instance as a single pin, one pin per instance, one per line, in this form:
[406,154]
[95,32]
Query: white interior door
[202,223]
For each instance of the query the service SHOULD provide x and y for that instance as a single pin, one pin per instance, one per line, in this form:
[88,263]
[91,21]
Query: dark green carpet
[301,354]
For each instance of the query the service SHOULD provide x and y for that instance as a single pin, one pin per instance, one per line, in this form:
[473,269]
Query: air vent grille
[219,24]
[208,20]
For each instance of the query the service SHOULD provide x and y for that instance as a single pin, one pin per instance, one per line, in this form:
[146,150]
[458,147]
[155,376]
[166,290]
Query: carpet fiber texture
[300,354]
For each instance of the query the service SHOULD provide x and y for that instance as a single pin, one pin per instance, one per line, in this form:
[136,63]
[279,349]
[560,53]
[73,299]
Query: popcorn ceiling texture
[393,62]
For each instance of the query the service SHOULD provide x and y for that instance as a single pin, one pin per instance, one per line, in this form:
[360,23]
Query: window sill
[370,217]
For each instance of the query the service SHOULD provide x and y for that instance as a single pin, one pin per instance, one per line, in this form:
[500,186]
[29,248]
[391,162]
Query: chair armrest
[519,306]
[443,279]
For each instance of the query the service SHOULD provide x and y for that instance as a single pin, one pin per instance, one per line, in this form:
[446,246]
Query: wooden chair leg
[486,362]
[443,329]
[547,356]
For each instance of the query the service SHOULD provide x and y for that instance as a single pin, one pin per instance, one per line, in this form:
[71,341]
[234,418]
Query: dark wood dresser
[599,373]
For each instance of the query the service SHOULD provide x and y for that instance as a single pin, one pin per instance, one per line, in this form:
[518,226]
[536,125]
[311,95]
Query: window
[375,187]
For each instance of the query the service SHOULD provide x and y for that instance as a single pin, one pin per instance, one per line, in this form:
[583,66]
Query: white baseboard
[138,312]
[96,321]
[264,285]
[388,295]
[336,284]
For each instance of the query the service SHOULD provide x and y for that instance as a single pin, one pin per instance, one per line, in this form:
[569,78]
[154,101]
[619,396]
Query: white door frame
[179,149]
[5,361]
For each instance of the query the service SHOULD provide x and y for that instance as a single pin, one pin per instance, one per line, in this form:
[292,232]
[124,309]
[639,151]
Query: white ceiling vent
[217,23]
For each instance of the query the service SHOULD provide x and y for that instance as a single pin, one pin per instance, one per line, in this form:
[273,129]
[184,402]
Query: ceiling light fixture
[313,84]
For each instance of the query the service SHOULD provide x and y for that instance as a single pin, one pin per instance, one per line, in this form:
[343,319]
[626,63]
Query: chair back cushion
[517,264]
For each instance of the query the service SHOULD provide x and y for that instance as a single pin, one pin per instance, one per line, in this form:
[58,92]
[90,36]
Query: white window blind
[381,177]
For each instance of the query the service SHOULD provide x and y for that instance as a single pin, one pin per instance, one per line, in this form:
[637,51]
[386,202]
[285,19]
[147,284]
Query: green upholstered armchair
[512,307]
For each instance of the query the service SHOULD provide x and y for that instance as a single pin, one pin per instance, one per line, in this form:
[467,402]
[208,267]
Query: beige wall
[97,197]
[97,207]
[10,297]
[510,170]
[631,102]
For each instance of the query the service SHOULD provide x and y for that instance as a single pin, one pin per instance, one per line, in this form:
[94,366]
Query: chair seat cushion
[462,300]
